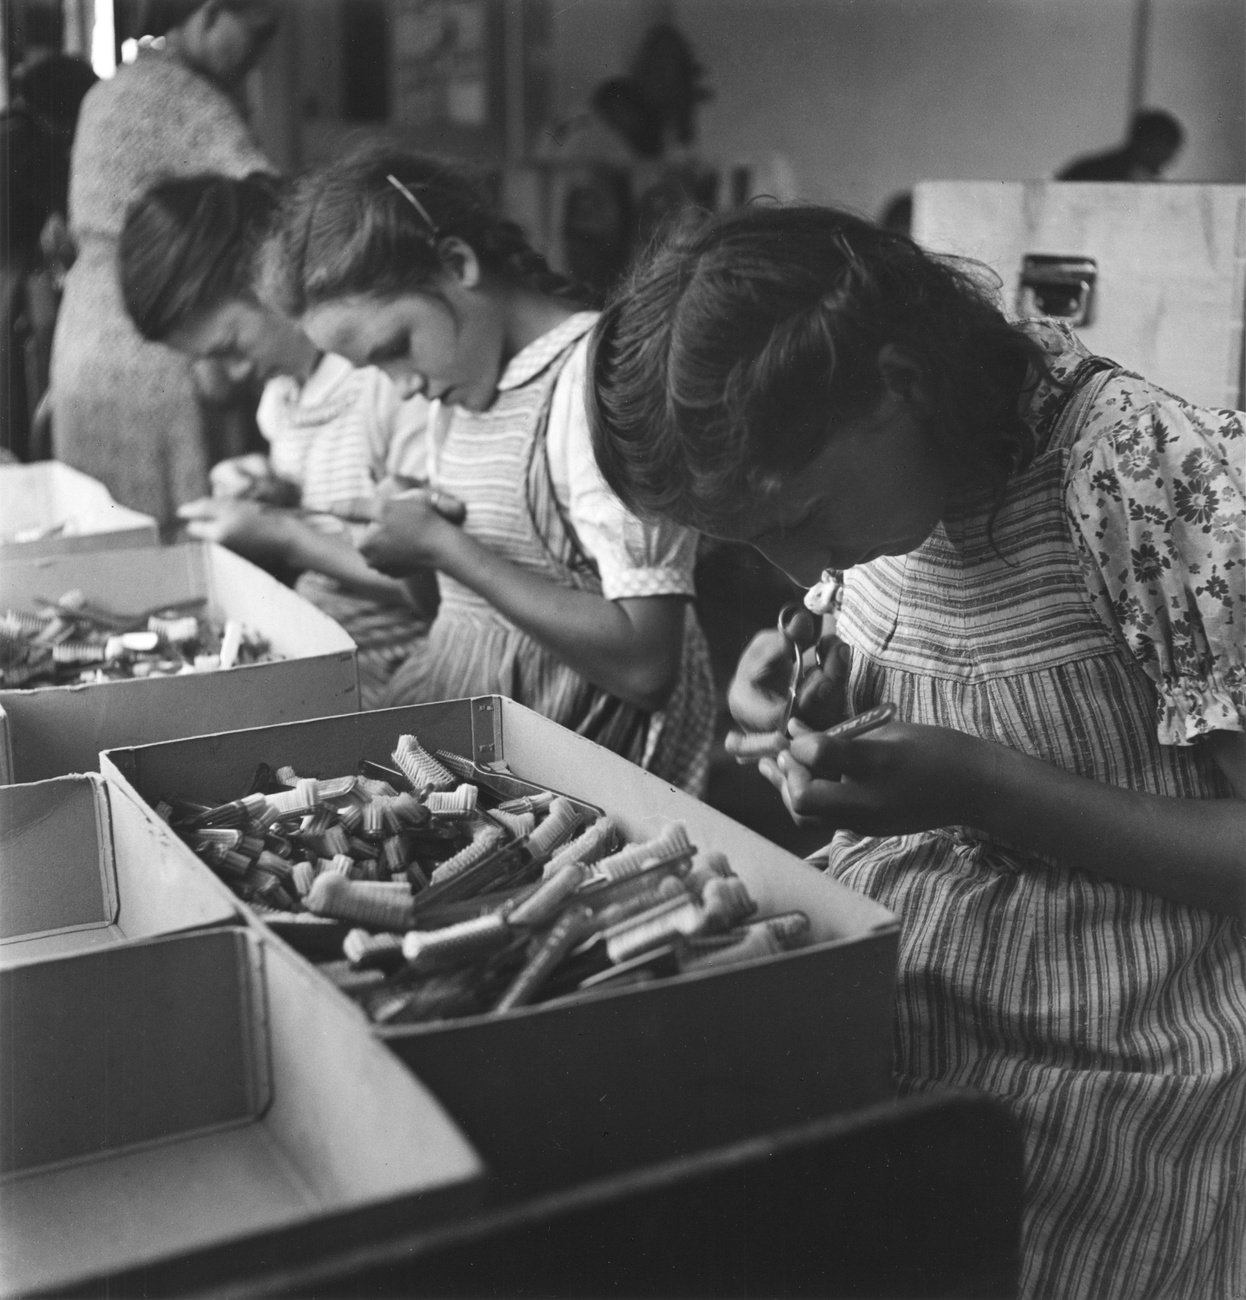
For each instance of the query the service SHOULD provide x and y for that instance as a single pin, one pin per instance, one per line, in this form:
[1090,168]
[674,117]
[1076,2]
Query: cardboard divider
[83,864]
[575,1088]
[180,1093]
[52,730]
[77,510]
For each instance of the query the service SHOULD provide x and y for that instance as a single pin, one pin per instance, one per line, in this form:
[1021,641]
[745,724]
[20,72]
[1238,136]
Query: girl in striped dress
[551,592]
[189,262]
[1042,569]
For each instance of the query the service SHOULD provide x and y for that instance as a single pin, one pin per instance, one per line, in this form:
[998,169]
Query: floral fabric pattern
[1155,494]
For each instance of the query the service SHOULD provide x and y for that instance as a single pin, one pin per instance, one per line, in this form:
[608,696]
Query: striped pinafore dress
[1111,1021]
[495,461]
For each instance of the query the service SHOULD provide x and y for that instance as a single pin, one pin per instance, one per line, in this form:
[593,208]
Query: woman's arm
[632,648]
[269,535]
[905,778]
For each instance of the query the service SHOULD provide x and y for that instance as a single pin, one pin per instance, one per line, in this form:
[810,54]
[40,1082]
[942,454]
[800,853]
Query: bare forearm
[333,555]
[601,639]
[1189,850]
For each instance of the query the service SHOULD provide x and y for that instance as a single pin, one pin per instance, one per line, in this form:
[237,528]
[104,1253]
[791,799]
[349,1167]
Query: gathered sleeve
[633,557]
[1155,496]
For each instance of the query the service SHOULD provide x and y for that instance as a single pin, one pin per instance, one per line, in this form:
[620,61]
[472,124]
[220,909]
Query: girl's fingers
[368,544]
[449,507]
[810,753]
[799,791]
[756,694]
[358,510]
[823,698]
[203,530]
[203,508]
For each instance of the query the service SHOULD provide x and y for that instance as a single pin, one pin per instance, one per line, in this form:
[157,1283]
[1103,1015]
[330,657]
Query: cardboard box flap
[189,1092]
[289,623]
[72,511]
[154,894]
[82,863]
[112,1055]
[57,871]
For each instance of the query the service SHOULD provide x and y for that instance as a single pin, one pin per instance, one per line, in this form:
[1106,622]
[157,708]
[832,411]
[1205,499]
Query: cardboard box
[51,730]
[77,511]
[83,865]
[567,1090]
[191,1091]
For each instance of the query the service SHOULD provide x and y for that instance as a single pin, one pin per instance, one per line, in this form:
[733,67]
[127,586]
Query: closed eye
[390,350]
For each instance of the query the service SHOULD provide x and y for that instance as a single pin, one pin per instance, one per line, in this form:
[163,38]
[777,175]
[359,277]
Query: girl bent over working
[552,592]
[189,266]
[1044,574]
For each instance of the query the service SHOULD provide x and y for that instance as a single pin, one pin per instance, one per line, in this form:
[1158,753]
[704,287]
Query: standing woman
[1045,575]
[124,410]
[552,593]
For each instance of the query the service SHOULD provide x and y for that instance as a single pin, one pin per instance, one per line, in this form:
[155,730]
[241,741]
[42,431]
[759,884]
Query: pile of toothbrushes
[72,642]
[427,896]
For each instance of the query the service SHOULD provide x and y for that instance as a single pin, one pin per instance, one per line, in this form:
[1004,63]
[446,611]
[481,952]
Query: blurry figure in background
[1155,139]
[36,132]
[897,213]
[124,410]
[190,260]
[636,144]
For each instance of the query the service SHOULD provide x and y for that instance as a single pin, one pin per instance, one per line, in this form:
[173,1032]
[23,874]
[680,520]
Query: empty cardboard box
[51,730]
[50,509]
[83,864]
[571,1089]
[185,1092]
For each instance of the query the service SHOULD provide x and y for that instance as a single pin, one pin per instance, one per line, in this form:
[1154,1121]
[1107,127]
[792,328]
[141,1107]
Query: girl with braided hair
[552,593]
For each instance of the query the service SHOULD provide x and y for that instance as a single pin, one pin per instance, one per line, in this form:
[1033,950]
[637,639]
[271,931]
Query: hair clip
[415,203]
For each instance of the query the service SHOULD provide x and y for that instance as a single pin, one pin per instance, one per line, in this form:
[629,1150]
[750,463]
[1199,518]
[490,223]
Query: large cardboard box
[49,731]
[84,864]
[188,1092]
[578,1088]
[1170,267]
[64,511]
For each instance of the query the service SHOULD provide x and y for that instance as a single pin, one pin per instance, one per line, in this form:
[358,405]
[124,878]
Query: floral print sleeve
[1155,496]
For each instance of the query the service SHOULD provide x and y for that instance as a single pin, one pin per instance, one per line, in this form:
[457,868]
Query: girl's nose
[239,370]
[792,558]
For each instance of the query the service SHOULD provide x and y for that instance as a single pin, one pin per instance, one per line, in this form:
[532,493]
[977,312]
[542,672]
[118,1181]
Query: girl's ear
[460,259]
[903,375]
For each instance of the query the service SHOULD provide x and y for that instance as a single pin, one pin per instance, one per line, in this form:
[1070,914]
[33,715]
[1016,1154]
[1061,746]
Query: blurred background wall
[864,96]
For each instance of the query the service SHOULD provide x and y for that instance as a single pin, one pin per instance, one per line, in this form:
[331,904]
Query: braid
[504,245]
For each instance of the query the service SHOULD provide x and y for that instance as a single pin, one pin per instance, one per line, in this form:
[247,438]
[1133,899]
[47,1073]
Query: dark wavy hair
[347,229]
[737,344]
[192,243]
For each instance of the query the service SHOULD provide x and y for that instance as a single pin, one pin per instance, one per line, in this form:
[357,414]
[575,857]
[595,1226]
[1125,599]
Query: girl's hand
[251,478]
[411,529]
[757,696]
[248,527]
[894,781]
